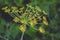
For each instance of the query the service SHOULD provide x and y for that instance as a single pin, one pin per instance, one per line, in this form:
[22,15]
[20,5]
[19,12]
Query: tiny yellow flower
[30,6]
[30,15]
[33,11]
[44,12]
[16,19]
[22,28]
[35,21]
[45,21]
[39,17]
[14,8]
[35,15]
[30,18]
[27,11]
[7,10]
[41,29]
[39,9]
[23,21]
[21,9]
[4,8]
[16,11]
[21,16]
[44,18]
[31,24]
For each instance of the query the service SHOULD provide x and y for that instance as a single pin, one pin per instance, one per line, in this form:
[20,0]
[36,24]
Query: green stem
[17,14]
[22,36]
[12,15]
[35,29]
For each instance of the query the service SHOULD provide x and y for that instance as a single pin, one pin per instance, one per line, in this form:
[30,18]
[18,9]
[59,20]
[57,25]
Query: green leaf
[14,29]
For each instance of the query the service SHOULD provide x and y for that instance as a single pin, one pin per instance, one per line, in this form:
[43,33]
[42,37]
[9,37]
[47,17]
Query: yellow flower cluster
[16,19]
[22,28]
[45,21]
[41,29]
[6,9]
[33,23]
[28,15]
[13,9]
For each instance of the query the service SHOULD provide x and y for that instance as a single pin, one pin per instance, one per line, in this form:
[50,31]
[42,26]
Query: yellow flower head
[28,15]
[41,29]
[22,28]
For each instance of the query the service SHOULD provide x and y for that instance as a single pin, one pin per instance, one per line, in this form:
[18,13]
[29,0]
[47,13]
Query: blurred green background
[9,30]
